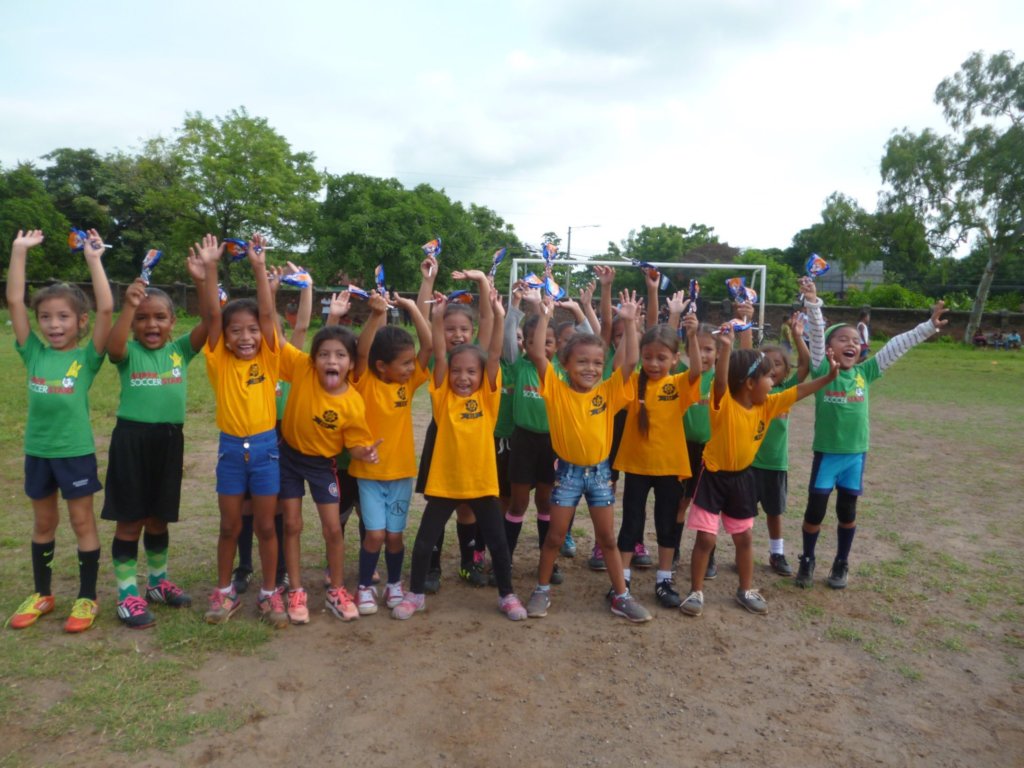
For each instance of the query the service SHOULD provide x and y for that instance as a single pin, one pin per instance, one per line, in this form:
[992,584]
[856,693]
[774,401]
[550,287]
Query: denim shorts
[248,464]
[384,504]
[573,482]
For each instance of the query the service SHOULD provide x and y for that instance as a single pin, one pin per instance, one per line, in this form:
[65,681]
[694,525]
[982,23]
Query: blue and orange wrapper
[554,290]
[433,248]
[461,296]
[151,259]
[550,252]
[648,268]
[378,278]
[359,293]
[533,281]
[76,240]
[694,295]
[222,295]
[301,279]
[235,249]
[499,256]
[816,266]
[738,290]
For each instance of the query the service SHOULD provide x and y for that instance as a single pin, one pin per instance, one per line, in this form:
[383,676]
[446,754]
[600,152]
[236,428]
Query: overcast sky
[738,114]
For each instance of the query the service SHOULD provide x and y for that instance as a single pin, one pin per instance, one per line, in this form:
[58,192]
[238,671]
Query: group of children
[560,411]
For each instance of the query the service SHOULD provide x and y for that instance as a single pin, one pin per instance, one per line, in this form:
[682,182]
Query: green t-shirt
[153,382]
[697,420]
[841,409]
[58,399]
[528,411]
[774,450]
[281,397]
[504,425]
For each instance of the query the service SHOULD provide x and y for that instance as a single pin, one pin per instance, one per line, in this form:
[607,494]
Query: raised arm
[197,271]
[210,252]
[745,313]
[677,305]
[652,278]
[264,295]
[721,380]
[437,331]
[628,354]
[376,321]
[587,303]
[93,251]
[428,272]
[338,307]
[16,282]
[483,287]
[816,327]
[304,313]
[606,276]
[497,335]
[117,342]
[805,388]
[422,328]
[535,348]
[509,345]
[690,323]
[803,354]
[898,346]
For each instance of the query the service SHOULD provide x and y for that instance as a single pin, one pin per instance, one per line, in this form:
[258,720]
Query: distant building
[867,276]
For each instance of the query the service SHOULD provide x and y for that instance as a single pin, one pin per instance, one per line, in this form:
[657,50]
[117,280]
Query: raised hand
[340,303]
[257,249]
[196,265]
[808,288]
[28,238]
[531,295]
[468,274]
[428,267]
[606,275]
[587,293]
[690,323]
[678,302]
[210,251]
[724,334]
[93,247]
[796,324]
[653,278]
[135,293]
[629,307]
[937,311]
[378,303]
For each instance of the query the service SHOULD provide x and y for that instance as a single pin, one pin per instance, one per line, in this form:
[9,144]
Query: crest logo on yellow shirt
[254,370]
[255,376]
[401,393]
[472,406]
[472,410]
[599,405]
[668,392]
[669,389]
[328,420]
[760,431]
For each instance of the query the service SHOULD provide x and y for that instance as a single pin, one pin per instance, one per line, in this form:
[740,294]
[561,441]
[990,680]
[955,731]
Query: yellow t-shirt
[315,422]
[582,422]
[463,465]
[662,451]
[244,389]
[737,432]
[389,416]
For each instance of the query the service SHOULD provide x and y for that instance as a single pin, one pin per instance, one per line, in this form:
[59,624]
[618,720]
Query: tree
[664,243]
[968,185]
[843,236]
[25,204]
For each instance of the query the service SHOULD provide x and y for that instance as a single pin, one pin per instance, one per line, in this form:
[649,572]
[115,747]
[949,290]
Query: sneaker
[240,579]
[596,561]
[28,612]
[411,603]
[780,565]
[610,594]
[641,557]
[168,593]
[366,601]
[805,573]
[557,577]
[271,610]
[298,613]
[712,570]
[83,614]
[693,605]
[538,604]
[432,584]
[393,594]
[667,595]
[339,602]
[837,576]
[569,546]
[222,607]
[473,573]
[628,607]
[134,613]
[751,600]
[512,607]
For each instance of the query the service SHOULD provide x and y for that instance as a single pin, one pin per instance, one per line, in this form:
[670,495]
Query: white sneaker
[393,594]
[366,600]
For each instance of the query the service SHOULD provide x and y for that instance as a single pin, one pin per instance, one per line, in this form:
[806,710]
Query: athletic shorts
[772,486]
[699,519]
[320,472]
[618,427]
[573,482]
[384,504]
[503,456]
[731,493]
[428,453]
[844,471]
[75,477]
[695,451]
[144,472]
[248,464]
[533,458]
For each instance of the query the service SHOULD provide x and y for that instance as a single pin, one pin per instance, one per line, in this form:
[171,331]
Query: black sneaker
[432,584]
[557,577]
[610,594]
[240,579]
[805,573]
[473,574]
[712,571]
[667,596]
[134,614]
[837,576]
[780,565]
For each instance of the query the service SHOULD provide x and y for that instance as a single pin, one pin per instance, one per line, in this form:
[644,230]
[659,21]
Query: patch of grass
[843,632]
[954,644]
[909,673]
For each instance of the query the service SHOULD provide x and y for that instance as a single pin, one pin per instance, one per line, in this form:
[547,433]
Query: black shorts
[348,490]
[533,458]
[75,476]
[618,427]
[729,493]
[320,472]
[428,453]
[144,472]
[695,451]
[502,454]
[772,486]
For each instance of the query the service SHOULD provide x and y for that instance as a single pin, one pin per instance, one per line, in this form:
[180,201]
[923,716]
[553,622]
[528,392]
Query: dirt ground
[867,676]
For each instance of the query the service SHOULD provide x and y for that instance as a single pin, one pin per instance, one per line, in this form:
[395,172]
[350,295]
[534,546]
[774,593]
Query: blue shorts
[75,477]
[573,482]
[320,472]
[248,464]
[844,471]
[384,504]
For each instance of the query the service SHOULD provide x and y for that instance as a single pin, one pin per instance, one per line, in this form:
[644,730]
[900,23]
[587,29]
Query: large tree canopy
[968,185]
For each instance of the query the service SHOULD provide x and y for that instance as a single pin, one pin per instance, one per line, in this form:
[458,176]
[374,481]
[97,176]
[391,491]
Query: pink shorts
[700,519]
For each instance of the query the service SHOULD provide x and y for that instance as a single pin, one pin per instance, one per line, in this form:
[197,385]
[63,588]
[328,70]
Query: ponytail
[642,418]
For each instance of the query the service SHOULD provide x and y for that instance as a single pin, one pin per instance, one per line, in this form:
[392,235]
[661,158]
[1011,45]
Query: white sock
[627,573]
[227,590]
[544,587]
[265,593]
[775,546]
[664,576]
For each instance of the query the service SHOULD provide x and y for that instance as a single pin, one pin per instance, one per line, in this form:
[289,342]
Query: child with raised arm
[841,428]
[465,392]
[580,411]
[60,453]
[242,361]
[741,409]
[147,446]
[387,373]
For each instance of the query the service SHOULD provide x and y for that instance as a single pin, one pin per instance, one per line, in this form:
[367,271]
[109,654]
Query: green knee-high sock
[156,555]
[125,555]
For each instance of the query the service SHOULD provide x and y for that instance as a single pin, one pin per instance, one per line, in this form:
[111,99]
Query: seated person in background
[997,340]
[1013,340]
[979,338]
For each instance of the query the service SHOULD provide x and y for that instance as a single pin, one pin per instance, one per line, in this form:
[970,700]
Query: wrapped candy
[816,266]
[301,279]
[550,252]
[235,248]
[358,292]
[533,281]
[77,238]
[433,248]
[498,257]
[694,295]
[151,259]
[461,296]
[378,278]
[554,290]
[649,268]
[222,295]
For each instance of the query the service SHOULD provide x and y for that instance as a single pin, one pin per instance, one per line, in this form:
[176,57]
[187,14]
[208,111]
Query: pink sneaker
[411,603]
[222,606]
[271,610]
[298,613]
[393,595]
[512,607]
[339,602]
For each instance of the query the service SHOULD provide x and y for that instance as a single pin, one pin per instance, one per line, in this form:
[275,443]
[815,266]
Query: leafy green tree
[663,243]
[25,204]
[782,279]
[843,236]
[968,185]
